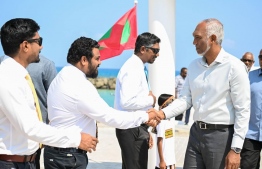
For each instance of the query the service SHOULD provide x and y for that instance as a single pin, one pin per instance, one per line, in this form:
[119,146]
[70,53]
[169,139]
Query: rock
[103,83]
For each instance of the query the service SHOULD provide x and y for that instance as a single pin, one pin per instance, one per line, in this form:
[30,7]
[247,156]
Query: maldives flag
[121,36]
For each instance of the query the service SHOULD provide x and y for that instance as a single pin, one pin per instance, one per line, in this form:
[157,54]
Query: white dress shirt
[219,93]
[73,102]
[132,89]
[20,129]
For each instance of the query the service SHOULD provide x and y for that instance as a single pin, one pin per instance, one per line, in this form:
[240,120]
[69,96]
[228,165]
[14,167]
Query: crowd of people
[39,107]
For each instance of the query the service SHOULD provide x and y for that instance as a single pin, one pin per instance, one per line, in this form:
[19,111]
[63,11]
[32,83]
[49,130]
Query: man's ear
[83,60]
[213,38]
[24,46]
[143,49]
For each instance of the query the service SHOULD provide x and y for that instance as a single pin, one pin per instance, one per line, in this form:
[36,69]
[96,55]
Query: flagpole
[162,72]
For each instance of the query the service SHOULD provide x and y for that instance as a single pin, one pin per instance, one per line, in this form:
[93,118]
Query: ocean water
[107,95]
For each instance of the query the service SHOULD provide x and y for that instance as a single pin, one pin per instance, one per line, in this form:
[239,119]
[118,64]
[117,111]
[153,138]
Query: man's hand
[154,97]
[161,115]
[232,160]
[88,143]
[152,123]
[153,115]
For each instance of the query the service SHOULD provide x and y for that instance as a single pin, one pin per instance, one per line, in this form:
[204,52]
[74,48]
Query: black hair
[162,98]
[15,31]
[145,39]
[82,46]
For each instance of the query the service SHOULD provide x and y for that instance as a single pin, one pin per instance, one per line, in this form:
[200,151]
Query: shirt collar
[221,57]
[15,66]
[260,71]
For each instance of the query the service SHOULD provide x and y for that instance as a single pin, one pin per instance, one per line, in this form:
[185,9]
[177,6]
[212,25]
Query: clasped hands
[154,117]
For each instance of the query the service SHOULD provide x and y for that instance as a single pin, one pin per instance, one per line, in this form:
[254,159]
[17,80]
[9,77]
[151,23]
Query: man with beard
[217,86]
[21,129]
[74,103]
[133,93]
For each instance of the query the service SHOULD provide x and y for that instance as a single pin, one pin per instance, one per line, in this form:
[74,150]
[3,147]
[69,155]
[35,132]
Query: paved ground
[108,154]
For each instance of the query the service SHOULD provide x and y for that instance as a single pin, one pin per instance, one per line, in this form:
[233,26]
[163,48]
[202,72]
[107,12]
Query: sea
[107,95]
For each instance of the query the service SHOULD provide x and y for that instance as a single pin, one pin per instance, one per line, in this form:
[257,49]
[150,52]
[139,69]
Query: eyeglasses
[260,56]
[154,50]
[38,41]
[247,60]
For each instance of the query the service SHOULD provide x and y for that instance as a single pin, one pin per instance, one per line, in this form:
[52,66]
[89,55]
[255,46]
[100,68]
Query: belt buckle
[202,125]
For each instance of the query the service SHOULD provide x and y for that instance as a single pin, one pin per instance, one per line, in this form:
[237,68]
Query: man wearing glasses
[248,60]
[133,93]
[250,155]
[21,129]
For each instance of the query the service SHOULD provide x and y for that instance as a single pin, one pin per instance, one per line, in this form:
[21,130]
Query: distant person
[74,103]
[248,60]
[250,155]
[165,137]
[179,83]
[133,93]
[217,86]
[21,129]
[42,72]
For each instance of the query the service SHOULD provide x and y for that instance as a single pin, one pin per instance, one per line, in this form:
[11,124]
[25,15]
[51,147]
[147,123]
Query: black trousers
[16,165]
[207,149]
[55,159]
[37,158]
[250,154]
[134,147]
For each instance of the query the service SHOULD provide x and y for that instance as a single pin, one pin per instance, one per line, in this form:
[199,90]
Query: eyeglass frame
[39,41]
[154,50]
[247,60]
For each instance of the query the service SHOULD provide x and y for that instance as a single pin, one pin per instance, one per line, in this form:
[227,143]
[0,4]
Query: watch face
[236,150]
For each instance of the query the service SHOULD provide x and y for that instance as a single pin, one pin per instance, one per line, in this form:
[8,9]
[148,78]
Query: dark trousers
[37,158]
[16,165]
[55,159]
[187,115]
[134,147]
[250,154]
[207,149]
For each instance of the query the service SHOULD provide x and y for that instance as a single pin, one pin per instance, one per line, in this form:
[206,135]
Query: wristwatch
[236,150]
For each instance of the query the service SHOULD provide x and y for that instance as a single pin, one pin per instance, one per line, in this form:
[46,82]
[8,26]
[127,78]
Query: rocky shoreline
[104,83]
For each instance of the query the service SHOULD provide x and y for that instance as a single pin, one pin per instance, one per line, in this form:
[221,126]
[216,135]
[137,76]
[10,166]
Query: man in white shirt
[248,60]
[74,103]
[217,86]
[179,83]
[20,129]
[133,93]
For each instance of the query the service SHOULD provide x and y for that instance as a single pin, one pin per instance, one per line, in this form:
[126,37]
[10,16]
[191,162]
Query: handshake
[154,117]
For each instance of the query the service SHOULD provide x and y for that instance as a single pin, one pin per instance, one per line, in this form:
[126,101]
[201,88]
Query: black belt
[71,150]
[144,125]
[203,125]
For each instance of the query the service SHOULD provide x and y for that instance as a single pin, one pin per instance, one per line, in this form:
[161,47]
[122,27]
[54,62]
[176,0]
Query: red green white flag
[121,36]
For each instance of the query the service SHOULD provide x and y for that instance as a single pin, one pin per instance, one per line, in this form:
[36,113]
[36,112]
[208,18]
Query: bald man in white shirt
[217,86]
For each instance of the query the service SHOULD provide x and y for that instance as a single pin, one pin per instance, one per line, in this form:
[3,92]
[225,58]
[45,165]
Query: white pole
[162,72]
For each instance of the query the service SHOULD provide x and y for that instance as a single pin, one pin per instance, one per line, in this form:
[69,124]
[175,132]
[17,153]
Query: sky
[63,21]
